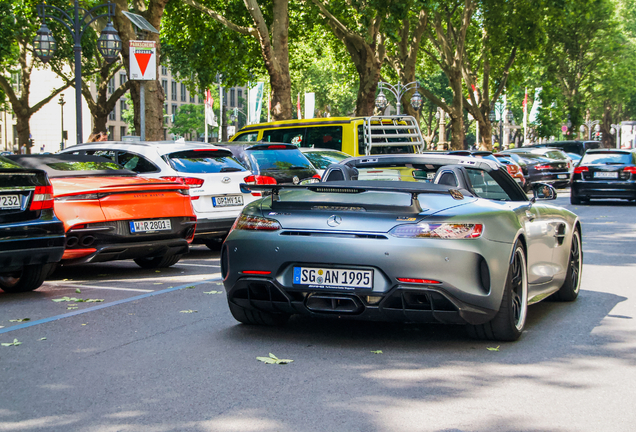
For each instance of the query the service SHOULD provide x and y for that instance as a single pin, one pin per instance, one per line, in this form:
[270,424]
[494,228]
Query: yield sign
[143,60]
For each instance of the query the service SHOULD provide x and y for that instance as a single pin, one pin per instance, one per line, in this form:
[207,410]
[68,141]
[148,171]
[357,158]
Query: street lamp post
[398,91]
[108,44]
[62,102]
[509,116]
[442,116]
[588,124]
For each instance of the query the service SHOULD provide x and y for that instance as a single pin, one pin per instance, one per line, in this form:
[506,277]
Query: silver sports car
[420,238]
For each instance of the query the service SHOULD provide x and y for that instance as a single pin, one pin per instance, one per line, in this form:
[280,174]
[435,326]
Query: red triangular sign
[142,61]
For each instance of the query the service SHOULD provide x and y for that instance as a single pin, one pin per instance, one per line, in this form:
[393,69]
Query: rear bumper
[595,189]
[134,250]
[30,243]
[213,228]
[550,178]
[422,303]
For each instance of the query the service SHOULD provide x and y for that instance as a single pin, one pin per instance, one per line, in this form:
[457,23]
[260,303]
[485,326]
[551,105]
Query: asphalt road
[162,353]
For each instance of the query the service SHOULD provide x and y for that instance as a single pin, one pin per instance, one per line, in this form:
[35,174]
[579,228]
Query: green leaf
[77,290]
[377,352]
[20,320]
[494,349]
[272,359]
[189,287]
[212,292]
[14,343]
[42,339]
[93,300]
[189,311]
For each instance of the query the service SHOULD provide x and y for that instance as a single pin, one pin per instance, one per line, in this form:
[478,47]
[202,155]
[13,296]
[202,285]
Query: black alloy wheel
[569,291]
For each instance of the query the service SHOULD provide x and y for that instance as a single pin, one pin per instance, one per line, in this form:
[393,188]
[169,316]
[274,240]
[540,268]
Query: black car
[539,169]
[604,174]
[273,163]
[31,236]
[578,147]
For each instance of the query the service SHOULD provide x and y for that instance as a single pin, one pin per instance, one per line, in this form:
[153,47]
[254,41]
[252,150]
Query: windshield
[84,166]
[204,162]
[607,158]
[279,160]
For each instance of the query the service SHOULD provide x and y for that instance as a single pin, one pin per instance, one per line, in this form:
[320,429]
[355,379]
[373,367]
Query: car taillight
[542,167]
[438,230]
[42,198]
[512,169]
[418,281]
[317,176]
[630,169]
[191,182]
[277,147]
[581,170]
[259,180]
[255,223]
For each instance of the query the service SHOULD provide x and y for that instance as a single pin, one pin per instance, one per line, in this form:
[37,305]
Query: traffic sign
[564,128]
[143,60]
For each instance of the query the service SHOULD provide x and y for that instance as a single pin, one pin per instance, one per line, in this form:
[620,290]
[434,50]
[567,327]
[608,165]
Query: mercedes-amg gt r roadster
[419,238]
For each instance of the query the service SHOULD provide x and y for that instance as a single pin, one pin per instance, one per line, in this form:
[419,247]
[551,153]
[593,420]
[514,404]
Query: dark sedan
[31,237]
[604,174]
[541,169]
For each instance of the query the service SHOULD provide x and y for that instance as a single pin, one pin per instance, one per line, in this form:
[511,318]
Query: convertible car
[419,238]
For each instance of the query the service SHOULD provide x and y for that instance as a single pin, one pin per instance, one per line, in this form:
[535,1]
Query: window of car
[110,154]
[294,136]
[204,161]
[248,136]
[84,166]
[322,159]
[324,137]
[278,160]
[553,154]
[135,162]
[485,186]
[608,158]
[6,163]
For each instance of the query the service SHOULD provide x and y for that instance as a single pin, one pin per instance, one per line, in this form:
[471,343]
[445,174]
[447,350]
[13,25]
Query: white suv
[212,173]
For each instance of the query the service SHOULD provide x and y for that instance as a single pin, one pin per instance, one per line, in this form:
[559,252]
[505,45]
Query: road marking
[102,306]
[201,265]
[100,287]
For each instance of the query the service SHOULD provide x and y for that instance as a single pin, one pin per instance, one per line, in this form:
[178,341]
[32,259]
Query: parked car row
[145,201]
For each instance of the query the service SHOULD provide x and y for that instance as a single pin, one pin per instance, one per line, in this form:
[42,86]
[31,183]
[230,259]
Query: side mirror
[543,191]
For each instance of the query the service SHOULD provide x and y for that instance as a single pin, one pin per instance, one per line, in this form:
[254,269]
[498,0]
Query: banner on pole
[256,102]
[209,112]
[310,105]
[536,105]
[143,60]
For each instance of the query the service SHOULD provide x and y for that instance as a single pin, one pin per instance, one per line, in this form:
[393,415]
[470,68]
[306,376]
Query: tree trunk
[457,111]
[278,66]
[485,135]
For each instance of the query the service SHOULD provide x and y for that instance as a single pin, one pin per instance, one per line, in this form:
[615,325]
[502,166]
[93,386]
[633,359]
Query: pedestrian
[23,149]
[98,136]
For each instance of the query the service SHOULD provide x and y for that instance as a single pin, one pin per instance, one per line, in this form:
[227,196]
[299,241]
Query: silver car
[420,238]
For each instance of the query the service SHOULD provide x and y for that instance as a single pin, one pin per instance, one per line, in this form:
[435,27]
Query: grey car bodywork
[471,273]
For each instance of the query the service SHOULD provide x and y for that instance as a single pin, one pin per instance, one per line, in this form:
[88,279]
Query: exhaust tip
[72,241]
[87,240]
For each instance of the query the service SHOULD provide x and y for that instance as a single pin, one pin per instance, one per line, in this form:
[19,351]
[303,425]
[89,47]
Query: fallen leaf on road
[272,359]
[14,343]
[189,287]
[494,349]
[377,352]
[42,338]
[77,290]
[93,300]
[212,292]
[71,308]
[20,320]
[188,311]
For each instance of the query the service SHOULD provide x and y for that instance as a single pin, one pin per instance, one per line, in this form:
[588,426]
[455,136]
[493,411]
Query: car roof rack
[404,130]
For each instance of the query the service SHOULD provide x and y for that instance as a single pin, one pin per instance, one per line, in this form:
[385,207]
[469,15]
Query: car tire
[509,322]
[27,279]
[158,262]
[569,291]
[574,199]
[257,317]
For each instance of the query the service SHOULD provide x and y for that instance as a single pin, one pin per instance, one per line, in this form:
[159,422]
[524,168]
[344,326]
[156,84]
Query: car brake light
[316,176]
[42,198]
[192,182]
[542,167]
[438,230]
[418,281]
[277,147]
[256,272]
[581,170]
[207,149]
[255,223]
[259,180]
[630,169]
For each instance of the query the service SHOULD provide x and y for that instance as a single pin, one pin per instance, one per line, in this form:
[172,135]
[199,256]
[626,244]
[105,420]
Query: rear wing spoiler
[330,187]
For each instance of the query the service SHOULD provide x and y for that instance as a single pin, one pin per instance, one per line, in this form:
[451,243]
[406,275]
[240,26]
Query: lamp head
[44,44]
[109,43]
[380,101]
[416,101]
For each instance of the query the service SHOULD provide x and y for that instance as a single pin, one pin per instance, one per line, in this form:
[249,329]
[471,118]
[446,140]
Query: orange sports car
[111,213]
